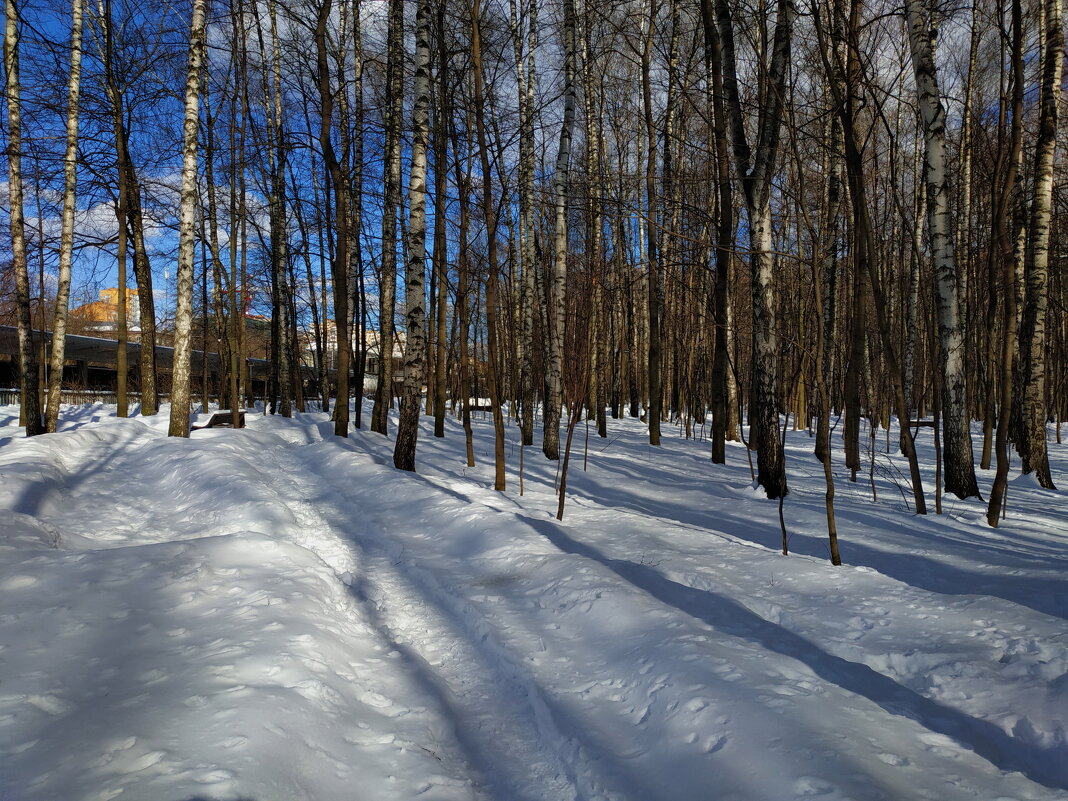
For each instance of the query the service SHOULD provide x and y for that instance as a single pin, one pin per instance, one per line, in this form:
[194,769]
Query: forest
[722,217]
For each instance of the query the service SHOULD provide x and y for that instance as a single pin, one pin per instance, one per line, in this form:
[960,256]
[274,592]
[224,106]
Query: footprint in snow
[810,786]
[19,582]
[894,760]
[217,776]
[50,704]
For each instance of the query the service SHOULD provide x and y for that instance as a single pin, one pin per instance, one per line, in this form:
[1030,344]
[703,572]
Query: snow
[273,614]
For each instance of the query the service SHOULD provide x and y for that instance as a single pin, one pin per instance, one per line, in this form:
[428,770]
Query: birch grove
[832,219]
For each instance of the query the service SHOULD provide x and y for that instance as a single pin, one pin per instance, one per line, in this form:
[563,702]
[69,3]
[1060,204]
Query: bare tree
[66,243]
[557,283]
[183,315]
[1032,398]
[958,460]
[30,399]
[1002,253]
[756,171]
[415,270]
[339,267]
[387,289]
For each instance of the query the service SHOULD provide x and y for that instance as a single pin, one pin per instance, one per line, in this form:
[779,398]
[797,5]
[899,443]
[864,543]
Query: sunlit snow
[276,614]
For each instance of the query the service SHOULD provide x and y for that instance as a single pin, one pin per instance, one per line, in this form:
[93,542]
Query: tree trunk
[1033,330]
[183,315]
[387,289]
[339,264]
[489,210]
[755,172]
[415,270]
[441,256]
[724,232]
[66,241]
[133,221]
[66,235]
[557,284]
[958,461]
[652,270]
[1003,251]
[525,78]
[30,398]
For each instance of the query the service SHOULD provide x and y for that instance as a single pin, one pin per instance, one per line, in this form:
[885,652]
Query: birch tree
[415,269]
[66,241]
[558,268]
[755,169]
[958,460]
[724,206]
[1032,445]
[526,79]
[183,315]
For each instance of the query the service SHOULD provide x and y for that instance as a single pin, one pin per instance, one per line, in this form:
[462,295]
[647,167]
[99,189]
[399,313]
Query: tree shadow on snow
[1045,766]
[1048,596]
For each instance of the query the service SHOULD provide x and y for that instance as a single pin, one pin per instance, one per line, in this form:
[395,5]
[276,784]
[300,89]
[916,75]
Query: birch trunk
[414,290]
[1033,333]
[525,78]
[356,274]
[279,239]
[724,206]
[755,170]
[958,460]
[66,237]
[558,279]
[183,315]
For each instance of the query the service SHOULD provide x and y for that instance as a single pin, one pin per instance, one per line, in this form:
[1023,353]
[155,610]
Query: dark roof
[105,351]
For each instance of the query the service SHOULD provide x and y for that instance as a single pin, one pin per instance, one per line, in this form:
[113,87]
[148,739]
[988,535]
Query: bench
[224,418]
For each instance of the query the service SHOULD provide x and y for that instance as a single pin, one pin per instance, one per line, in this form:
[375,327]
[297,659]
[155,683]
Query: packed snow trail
[168,661]
[500,726]
[276,613]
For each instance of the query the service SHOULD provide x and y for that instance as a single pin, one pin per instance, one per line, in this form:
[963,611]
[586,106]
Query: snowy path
[277,614]
[498,722]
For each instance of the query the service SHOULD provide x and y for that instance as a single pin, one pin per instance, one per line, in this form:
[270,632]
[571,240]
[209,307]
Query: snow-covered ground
[275,614]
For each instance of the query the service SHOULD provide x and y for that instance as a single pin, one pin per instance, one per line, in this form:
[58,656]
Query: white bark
[1033,450]
[755,170]
[66,241]
[957,455]
[414,274]
[183,316]
[558,280]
